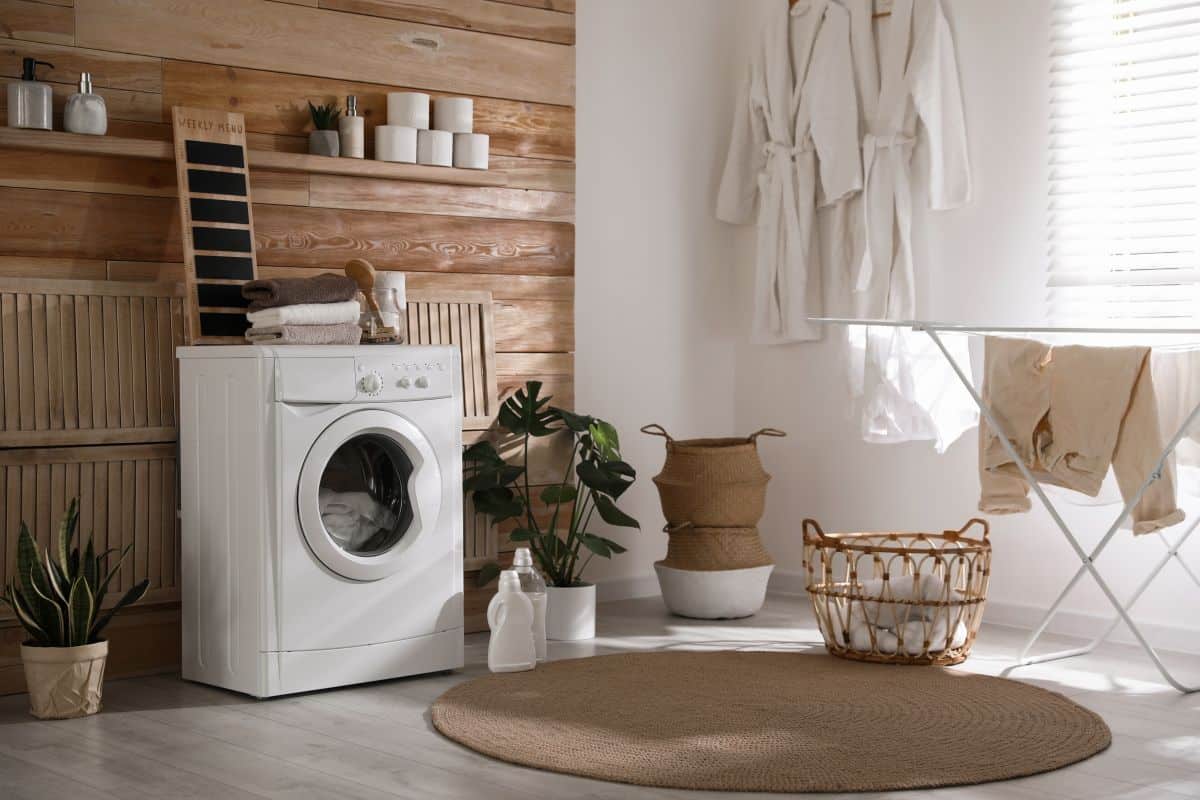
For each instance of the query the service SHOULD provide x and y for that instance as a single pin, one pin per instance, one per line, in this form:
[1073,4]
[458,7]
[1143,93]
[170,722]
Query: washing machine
[321,494]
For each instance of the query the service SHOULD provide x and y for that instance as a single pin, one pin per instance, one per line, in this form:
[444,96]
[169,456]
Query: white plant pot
[64,682]
[570,612]
[714,594]
[323,143]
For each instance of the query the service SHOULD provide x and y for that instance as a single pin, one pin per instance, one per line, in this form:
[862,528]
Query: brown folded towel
[272,292]
[343,333]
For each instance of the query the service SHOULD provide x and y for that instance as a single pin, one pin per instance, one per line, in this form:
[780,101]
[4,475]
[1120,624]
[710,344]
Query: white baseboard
[1088,625]
[627,588]
[786,582]
[1067,623]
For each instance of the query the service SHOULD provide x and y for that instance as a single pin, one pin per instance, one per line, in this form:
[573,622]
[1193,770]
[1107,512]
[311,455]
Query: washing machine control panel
[404,378]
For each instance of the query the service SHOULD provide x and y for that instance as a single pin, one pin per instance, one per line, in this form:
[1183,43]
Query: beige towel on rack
[344,333]
[1070,413]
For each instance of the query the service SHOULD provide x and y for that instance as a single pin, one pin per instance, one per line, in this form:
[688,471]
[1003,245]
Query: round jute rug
[771,722]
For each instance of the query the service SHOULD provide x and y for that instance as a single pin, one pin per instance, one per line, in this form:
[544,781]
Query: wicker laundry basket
[709,549]
[712,483]
[898,598]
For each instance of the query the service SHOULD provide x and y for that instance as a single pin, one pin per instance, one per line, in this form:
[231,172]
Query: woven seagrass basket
[712,483]
[898,598]
[711,549]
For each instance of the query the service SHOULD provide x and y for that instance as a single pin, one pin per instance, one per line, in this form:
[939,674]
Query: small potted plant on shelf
[323,140]
[58,599]
[594,477]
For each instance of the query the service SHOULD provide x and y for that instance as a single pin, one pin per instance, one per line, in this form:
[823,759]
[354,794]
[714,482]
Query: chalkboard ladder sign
[217,222]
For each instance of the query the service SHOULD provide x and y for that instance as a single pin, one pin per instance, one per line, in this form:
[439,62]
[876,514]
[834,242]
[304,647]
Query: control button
[404,383]
[371,383]
[422,382]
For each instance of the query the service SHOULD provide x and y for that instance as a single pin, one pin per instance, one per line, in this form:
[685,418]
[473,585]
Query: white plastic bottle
[510,616]
[535,589]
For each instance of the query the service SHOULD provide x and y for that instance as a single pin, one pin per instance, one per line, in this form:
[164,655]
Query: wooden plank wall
[106,219]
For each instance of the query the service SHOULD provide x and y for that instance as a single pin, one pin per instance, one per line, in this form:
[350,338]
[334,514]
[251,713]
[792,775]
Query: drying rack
[1087,558]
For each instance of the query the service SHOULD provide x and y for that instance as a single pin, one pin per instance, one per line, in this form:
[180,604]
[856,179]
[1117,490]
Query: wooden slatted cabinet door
[463,319]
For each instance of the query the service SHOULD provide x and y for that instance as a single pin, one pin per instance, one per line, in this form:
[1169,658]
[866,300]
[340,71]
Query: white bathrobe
[795,123]
[906,70]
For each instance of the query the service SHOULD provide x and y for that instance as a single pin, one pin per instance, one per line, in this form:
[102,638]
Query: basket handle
[654,429]
[953,535]
[766,432]
[812,532]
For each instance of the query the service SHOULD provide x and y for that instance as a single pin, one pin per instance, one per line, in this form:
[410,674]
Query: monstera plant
[594,478]
[58,598]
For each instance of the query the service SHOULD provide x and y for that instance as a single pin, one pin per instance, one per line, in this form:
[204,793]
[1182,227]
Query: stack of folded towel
[318,310]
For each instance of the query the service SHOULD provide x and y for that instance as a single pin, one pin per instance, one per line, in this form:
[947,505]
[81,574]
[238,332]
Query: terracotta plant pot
[64,682]
[323,143]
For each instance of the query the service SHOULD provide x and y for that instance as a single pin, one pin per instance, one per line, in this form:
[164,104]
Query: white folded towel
[913,635]
[860,639]
[908,590]
[908,637]
[306,314]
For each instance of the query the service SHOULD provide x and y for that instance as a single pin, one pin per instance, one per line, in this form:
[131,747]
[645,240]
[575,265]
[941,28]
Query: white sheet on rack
[1176,374]
[906,390]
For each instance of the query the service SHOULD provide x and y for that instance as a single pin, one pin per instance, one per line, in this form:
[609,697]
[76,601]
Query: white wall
[982,263]
[655,331]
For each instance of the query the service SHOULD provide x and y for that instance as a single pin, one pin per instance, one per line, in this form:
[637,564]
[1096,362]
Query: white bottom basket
[714,594]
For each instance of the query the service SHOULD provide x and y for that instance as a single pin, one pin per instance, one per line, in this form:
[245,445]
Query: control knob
[422,382]
[371,383]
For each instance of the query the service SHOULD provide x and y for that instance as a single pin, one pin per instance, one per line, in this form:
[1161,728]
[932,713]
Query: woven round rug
[768,722]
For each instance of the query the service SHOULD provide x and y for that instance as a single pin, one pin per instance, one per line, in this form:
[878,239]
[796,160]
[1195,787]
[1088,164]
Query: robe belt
[778,194]
[872,144]
[775,149]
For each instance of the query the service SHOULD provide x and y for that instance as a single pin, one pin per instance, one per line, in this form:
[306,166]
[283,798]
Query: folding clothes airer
[1087,559]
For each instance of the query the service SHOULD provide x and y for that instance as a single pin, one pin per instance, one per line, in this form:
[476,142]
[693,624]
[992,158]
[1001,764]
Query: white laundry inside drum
[364,499]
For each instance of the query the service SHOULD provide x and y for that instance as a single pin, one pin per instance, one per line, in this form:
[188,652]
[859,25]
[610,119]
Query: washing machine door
[370,488]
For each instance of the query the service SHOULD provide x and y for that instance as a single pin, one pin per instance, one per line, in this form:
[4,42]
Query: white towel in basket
[900,598]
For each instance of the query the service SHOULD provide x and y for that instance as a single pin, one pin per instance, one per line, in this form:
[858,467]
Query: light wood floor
[163,738]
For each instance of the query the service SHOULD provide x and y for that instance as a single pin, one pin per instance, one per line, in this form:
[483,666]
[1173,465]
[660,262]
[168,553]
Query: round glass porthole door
[369,487]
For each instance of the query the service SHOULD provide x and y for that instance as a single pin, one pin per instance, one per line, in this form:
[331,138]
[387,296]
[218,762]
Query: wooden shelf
[56,141]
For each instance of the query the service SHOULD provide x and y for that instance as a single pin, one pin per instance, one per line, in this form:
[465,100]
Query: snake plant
[58,596]
[324,117]
[594,478]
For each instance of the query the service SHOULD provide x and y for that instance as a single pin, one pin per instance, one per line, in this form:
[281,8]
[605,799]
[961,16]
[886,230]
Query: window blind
[1124,206]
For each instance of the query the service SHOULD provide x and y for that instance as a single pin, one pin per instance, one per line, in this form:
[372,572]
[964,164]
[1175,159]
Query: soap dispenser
[30,103]
[86,112]
[350,130]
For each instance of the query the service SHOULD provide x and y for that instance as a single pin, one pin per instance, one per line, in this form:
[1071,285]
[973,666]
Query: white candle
[410,109]
[435,148]
[454,114]
[471,150]
[396,143]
